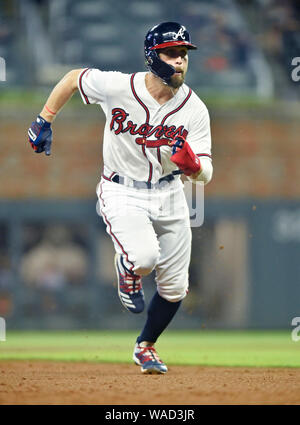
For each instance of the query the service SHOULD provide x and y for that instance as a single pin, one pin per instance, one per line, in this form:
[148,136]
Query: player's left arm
[193,154]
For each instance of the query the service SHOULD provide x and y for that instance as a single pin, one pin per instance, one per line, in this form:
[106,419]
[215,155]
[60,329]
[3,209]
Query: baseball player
[156,129]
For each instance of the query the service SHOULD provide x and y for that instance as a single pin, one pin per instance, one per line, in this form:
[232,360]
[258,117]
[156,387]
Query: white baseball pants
[151,229]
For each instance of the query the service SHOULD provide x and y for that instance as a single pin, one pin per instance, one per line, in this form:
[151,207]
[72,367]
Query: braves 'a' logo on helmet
[180,33]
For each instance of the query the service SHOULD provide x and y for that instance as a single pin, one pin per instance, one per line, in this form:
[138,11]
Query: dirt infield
[32,382]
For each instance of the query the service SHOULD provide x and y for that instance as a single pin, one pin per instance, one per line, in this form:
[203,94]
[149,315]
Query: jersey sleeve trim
[204,154]
[83,95]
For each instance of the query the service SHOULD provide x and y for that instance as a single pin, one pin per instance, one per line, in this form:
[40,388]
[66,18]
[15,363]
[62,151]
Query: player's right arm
[40,133]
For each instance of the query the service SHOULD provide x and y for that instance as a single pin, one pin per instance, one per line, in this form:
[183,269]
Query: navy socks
[160,314]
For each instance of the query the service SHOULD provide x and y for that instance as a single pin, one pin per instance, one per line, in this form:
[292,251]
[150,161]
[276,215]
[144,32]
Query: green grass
[211,348]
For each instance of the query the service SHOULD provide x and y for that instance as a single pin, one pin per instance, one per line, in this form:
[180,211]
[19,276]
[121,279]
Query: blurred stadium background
[56,261]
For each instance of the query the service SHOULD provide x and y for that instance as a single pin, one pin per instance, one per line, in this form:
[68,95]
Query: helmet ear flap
[159,67]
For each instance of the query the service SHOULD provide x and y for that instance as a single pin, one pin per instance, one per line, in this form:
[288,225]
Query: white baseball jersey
[138,129]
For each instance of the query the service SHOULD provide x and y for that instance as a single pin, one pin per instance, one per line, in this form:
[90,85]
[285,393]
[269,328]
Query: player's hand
[40,136]
[184,157]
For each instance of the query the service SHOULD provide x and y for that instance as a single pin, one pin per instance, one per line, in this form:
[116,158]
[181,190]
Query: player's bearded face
[178,58]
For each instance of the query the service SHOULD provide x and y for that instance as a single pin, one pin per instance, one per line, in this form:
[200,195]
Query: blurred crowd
[91,33]
[53,257]
[280,30]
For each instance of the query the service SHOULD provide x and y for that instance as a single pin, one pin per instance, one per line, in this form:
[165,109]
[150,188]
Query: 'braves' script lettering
[163,133]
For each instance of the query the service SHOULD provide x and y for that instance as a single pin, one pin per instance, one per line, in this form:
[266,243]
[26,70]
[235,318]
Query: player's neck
[161,92]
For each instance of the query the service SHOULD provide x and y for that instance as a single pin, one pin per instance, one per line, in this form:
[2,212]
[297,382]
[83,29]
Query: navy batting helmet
[166,34]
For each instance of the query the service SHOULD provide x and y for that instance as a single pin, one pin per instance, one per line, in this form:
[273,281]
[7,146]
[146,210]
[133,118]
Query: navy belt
[143,185]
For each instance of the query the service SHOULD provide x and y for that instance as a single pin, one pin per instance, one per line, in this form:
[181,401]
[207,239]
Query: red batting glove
[184,157]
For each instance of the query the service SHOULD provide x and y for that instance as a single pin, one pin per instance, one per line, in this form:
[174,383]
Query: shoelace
[149,353]
[131,283]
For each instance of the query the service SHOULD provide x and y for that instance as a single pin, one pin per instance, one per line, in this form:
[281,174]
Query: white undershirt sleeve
[199,139]
[206,171]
